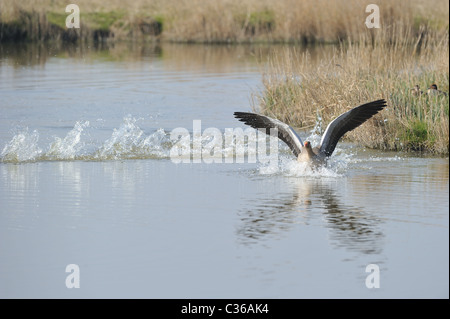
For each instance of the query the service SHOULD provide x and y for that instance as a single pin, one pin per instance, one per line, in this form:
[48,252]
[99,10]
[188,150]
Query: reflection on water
[22,182]
[308,201]
[351,227]
[199,58]
[38,54]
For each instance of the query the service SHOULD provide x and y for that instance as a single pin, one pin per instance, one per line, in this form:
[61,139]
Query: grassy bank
[298,91]
[213,21]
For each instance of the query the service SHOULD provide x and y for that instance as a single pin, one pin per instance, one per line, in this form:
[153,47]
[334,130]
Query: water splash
[289,166]
[67,148]
[23,147]
[315,135]
[130,142]
[127,142]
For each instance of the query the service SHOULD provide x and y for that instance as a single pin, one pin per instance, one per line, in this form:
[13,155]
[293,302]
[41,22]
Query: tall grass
[219,20]
[298,91]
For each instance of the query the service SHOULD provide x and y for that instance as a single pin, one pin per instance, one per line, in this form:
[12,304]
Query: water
[86,178]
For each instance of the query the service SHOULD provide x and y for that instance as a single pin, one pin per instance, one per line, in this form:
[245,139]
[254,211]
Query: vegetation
[298,90]
[212,21]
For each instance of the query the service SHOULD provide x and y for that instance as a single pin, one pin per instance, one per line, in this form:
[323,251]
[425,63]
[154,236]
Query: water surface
[86,178]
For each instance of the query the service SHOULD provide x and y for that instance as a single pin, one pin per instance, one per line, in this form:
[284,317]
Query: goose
[335,130]
[416,91]
[433,91]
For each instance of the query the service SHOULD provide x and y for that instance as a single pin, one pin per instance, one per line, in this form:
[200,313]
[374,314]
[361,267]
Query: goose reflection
[313,201]
[350,227]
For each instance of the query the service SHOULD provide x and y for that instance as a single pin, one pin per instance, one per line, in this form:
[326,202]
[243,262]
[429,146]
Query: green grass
[416,137]
[102,20]
[261,21]
[57,19]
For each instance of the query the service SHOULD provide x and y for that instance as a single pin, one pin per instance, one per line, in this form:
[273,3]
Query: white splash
[23,147]
[289,166]
[315,135]
[130,141]
[69,146]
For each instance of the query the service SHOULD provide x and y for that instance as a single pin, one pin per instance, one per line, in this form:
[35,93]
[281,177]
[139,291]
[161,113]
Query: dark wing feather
[285,132]
[347,122]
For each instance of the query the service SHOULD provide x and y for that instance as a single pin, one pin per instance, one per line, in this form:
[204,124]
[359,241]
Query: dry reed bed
[209,21]
[298,91]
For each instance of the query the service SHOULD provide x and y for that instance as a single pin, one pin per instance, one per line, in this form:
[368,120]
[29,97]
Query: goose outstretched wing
[285,133]
[347,122]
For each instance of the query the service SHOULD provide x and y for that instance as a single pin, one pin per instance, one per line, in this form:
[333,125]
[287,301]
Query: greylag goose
[433,91]
[335,130]
[416,91]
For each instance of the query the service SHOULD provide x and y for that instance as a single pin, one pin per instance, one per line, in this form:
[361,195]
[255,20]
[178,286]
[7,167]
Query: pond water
[87,177]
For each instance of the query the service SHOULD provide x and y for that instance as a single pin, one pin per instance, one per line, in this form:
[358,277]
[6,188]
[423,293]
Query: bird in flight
[335,130]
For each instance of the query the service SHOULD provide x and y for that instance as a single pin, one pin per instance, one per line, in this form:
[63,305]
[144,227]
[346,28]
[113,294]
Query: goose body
[311,155]
[433,91]
[416,91]
[335,130]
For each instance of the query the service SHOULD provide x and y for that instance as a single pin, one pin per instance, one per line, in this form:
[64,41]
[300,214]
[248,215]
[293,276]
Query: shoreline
[222,22]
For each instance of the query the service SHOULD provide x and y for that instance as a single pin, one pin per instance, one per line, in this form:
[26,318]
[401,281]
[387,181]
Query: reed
[211,21]
[299,91]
